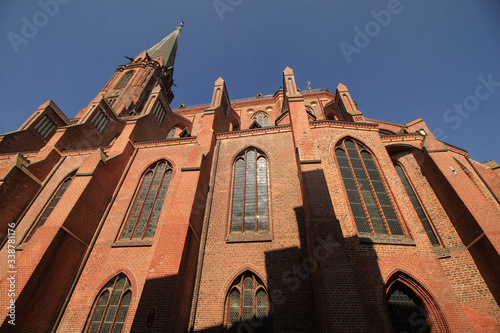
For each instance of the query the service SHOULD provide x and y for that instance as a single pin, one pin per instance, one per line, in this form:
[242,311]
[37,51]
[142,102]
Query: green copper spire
[166,48]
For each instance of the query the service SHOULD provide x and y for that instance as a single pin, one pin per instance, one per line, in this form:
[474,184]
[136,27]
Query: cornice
[254,132]
[344,124]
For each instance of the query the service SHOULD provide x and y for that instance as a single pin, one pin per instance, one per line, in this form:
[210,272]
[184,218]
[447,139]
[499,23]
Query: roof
[166,48]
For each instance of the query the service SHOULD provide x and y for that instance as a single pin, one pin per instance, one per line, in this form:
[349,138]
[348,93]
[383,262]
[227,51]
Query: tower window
[143,216]
[52,203]
[247,305]
[46,127]
[125,80]
[250,196]
[261,118]
[418,207]
[370,203]
[111,306]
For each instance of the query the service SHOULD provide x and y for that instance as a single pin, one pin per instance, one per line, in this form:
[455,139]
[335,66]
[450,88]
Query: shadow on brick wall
[328,283]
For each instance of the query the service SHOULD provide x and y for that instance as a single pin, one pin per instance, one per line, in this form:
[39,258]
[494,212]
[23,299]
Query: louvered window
[111,306]
[100,120]
[406,310]
[250,193]
[159,112]
[370,203]
[262,118]
[247,305]
[418,207]
[145,212]
[50,206]
[46,127]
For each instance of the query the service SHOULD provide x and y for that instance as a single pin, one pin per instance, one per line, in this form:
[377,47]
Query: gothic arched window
[418,207]
[406,310]
[125,80]
[56,196]
[111,306]
[261,118]
[148,201]
[250,195]
[171,133]
[370,203]
[247,305]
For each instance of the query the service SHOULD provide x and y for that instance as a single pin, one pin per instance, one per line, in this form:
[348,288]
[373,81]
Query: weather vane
[308,85]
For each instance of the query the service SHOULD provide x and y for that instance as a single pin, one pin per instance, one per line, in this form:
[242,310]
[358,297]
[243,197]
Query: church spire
[166,48]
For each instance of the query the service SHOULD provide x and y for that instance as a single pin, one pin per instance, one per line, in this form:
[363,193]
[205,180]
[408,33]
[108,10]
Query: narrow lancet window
[418,207]
[50,206]
[143,217]
[250,193]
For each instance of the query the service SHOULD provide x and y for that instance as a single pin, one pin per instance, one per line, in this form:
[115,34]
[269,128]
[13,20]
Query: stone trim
[385,239]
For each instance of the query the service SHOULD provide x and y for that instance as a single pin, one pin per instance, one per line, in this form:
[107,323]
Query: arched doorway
[411,308]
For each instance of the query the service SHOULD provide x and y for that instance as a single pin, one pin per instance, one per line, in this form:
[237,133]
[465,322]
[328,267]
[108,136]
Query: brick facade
[318,271]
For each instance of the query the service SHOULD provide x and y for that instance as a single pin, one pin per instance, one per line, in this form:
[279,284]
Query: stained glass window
[247,305]
[111,306]
[250,193]
[145,212]
[370,203]
[262,118]
[418,207]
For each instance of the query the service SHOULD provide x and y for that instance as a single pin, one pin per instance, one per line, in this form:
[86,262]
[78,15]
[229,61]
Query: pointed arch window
[143,216]
[52,203]
[261,118]
[171,133]
[110,308]
[418,207]
[247,305]
[250,212]
[370,203]
[406,310]
[125,80]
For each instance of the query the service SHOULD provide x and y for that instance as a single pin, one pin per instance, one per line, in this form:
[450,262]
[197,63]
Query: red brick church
[290,212]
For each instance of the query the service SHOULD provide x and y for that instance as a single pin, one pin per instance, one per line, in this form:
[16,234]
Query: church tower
[128,90]
[100,208]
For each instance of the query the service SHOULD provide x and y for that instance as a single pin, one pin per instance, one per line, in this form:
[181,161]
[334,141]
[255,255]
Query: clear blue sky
[428,59]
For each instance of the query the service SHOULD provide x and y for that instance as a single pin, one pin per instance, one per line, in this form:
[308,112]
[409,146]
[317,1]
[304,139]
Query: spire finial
[166,48]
